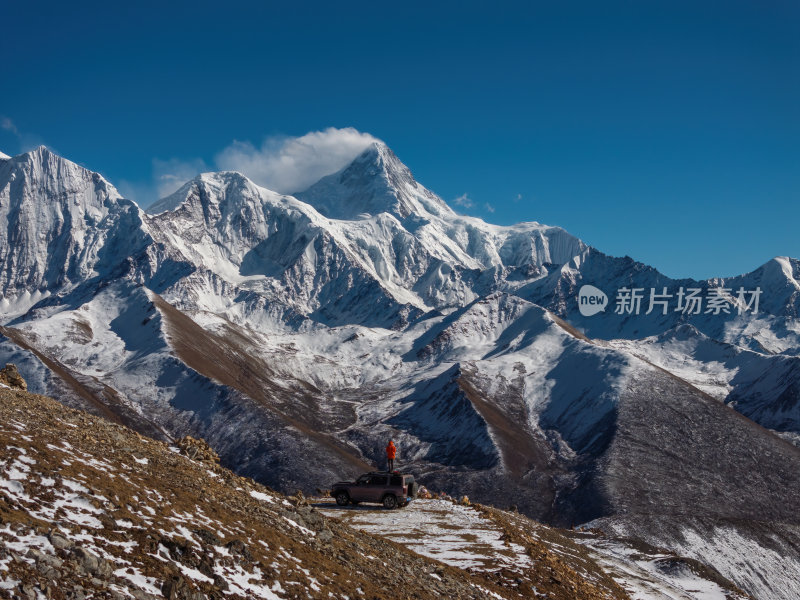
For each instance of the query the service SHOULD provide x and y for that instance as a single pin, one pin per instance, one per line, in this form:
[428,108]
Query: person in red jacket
[391,452]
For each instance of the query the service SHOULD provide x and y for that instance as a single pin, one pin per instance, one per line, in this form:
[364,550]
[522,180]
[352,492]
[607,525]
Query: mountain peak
[375,182]
[46,168]
[205,188]
[42,154]
[380,154]
[55,229]
[39,153]
[48,175]
[776,273]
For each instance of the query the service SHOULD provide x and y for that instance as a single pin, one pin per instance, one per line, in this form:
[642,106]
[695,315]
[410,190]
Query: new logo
[591,300]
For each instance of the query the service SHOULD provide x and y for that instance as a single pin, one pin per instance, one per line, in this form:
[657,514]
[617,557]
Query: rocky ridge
[238,311]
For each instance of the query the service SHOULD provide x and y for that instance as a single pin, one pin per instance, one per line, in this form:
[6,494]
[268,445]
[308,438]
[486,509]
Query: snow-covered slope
[370,231]
[375,182]
[445,258]
[495,541]
[364,308]
[244,239]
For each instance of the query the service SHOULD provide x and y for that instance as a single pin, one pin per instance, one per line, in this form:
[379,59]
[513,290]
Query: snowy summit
[362,309]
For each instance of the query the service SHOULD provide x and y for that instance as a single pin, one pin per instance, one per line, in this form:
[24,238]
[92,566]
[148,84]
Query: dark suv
[390,489]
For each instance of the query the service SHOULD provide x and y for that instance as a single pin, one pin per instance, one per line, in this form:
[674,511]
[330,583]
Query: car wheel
[389,501]
[342,499]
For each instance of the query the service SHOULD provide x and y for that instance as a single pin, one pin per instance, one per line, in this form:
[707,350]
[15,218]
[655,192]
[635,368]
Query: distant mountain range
[297,333]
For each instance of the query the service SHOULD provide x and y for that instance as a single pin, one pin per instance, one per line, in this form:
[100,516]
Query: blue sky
[667,131]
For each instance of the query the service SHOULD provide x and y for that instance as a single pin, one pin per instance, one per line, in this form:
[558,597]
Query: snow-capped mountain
[370,231]
[281,327]
[375,182]
[60,226]
[772,326]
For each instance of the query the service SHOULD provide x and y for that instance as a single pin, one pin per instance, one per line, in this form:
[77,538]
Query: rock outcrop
[9,376]
[197,449]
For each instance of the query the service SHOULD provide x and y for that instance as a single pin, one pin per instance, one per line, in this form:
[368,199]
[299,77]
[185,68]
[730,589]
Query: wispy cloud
[25,141]
[518,198]
[291,164]
[169,175]
[8,125]
[468,204]
[464,201]
[281,163]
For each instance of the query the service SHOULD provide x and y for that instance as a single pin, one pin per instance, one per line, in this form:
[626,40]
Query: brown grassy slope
[89,508]
[225,360]
[88,393]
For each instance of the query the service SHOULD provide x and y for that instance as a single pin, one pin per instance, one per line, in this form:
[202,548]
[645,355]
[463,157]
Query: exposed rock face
[9,375]
[197,449]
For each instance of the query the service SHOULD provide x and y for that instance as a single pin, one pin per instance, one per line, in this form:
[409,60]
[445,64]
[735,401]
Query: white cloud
[464,201]
[8,125]
[518,198]
[284,164]
[291,164]
[467,203]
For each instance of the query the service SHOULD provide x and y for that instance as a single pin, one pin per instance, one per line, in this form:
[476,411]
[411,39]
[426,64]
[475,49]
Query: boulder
[9,375]
[197,449]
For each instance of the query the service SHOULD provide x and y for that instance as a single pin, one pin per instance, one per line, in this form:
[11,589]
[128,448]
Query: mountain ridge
[252,320]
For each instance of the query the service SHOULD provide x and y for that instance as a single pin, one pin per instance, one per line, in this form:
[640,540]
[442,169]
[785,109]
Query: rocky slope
[280,327]
[90,509]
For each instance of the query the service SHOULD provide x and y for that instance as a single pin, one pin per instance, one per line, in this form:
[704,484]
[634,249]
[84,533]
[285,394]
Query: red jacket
[391,451]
